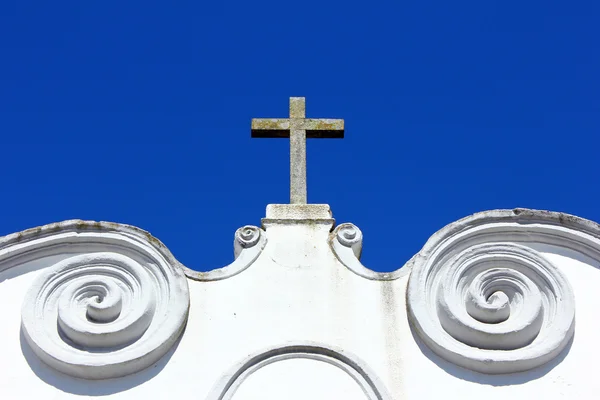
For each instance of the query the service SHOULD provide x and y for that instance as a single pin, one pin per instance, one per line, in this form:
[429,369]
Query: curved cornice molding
[48,238]
[479,297]
[373,388]
[114,304]
[346,243]
[248,243]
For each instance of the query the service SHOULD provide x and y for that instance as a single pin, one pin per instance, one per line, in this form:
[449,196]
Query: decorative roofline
[481,297]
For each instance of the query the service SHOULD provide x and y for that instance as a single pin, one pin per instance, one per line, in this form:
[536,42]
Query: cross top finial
[298,128]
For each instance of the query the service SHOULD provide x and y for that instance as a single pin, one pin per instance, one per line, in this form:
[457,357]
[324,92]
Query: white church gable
[487,308]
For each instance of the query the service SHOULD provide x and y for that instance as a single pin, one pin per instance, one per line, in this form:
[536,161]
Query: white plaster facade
[502,304]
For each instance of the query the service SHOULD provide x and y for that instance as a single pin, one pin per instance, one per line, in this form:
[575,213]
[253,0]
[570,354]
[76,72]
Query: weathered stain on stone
[270,124]
[153,240]
[390,325]
[560,217]
[31,231]
[567,218]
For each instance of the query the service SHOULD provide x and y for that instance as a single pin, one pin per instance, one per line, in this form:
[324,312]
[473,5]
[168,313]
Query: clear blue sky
[139,112]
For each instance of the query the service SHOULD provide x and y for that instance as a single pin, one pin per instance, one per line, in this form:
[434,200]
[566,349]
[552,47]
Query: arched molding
[480,297]
[357,369]
[113,304]
[248,244]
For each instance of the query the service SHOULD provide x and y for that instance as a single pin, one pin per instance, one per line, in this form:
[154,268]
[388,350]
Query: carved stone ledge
[298,214]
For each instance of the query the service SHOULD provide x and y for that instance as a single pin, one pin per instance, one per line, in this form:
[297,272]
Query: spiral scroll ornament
[104,315]
[494,308]
[350,236]
[245,238]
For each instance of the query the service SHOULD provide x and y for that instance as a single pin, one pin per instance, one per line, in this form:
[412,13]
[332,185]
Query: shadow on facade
[487,379]
[85,387]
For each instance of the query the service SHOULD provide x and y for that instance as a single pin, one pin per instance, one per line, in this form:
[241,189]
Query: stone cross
[298,128]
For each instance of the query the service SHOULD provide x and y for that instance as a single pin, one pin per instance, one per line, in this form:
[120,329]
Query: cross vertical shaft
[298,128]
[298,193]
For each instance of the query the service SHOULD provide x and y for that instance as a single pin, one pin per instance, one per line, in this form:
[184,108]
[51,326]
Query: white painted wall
[296,316]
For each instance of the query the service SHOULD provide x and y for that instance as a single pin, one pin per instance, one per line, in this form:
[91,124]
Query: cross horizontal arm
[324,128]
[270,127]
[280,128]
